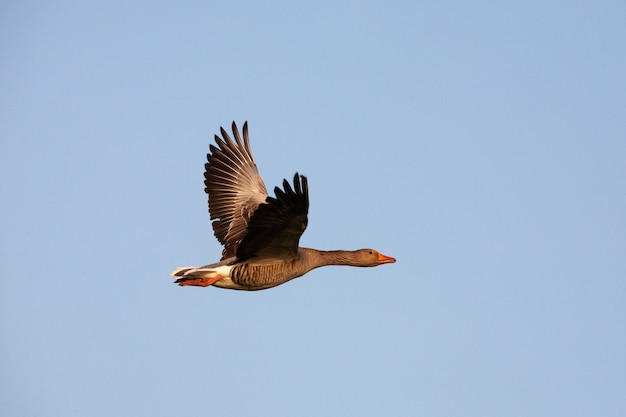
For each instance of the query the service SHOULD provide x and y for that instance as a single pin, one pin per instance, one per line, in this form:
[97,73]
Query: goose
[260,233]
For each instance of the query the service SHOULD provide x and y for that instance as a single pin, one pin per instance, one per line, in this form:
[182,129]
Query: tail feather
[200,277]
[179,272]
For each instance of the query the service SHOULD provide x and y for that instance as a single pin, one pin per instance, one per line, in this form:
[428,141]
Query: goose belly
[257,277]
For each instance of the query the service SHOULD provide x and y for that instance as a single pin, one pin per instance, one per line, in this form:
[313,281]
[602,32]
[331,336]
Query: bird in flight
[260,233]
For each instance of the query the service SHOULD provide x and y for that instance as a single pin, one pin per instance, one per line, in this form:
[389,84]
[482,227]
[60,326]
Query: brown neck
[316,258]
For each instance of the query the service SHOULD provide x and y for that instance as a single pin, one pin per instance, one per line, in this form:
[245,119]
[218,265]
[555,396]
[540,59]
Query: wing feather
[234,187]
[275,228]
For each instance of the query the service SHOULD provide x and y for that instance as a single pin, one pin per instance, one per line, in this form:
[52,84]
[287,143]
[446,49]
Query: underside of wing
[234,187]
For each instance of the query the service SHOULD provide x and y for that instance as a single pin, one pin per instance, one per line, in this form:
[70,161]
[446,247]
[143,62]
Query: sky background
[482,144]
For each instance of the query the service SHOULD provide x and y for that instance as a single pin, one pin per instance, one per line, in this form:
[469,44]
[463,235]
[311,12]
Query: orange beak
[382,259]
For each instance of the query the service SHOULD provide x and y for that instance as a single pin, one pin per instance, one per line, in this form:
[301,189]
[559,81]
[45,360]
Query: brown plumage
[260,234]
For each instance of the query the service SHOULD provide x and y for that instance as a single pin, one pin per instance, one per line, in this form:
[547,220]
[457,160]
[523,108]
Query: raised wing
[234,187]
[275,227]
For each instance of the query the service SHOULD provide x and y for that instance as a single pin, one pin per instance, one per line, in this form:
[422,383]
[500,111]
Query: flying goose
[260,234]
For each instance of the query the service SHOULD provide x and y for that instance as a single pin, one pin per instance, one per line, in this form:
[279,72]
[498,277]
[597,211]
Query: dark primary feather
[275,227]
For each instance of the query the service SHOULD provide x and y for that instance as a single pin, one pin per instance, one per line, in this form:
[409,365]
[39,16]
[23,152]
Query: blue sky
[481,144]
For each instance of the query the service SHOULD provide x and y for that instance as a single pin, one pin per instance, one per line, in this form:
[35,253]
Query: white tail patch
[194,272]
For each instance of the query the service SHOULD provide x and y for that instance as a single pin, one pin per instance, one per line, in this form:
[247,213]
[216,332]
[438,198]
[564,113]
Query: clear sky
[482,144]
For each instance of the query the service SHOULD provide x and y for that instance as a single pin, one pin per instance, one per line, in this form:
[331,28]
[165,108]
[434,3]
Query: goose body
[260,233]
